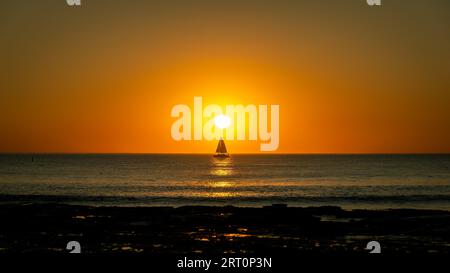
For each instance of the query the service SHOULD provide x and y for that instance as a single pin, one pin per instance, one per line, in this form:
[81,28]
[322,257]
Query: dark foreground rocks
[47,228]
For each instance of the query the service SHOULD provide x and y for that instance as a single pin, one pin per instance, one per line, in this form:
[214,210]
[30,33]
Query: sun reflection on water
[221,184]
[222,194]
[221,189]
[221,166]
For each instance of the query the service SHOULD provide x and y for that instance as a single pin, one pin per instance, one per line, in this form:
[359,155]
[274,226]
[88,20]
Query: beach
[227,230]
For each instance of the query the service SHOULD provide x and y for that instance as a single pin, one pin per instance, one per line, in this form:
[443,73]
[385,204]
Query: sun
[222,121]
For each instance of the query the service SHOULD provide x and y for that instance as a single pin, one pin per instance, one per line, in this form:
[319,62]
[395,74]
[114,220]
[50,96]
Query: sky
[103,77]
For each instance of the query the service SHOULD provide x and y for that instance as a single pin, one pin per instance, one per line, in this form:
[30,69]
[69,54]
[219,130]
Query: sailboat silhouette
[221,150]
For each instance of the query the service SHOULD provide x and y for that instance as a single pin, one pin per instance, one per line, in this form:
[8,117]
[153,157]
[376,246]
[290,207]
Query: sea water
[349,181]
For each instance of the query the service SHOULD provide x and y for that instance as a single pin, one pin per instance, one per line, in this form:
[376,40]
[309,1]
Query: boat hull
[221,155]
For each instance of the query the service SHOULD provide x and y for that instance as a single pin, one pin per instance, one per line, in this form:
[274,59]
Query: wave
[194,200]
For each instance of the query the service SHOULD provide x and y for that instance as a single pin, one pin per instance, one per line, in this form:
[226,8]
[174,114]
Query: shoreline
[441,203]
[219,230]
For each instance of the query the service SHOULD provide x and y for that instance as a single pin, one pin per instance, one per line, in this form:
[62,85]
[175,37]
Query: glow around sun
[222,121]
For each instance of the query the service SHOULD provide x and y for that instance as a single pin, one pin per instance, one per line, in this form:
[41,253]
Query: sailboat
[221,150]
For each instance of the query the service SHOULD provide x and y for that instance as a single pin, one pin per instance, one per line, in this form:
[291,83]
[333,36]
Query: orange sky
[103,78]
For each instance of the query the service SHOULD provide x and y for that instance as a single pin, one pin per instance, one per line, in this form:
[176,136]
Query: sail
[221,149]
[224,148]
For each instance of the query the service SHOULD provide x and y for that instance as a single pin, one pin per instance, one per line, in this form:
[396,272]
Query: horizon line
[255,153]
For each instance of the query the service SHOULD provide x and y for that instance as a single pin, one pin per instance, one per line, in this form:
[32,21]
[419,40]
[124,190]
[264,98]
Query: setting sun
[222,121]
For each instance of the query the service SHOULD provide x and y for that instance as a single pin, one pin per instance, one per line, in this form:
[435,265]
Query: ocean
[349,181]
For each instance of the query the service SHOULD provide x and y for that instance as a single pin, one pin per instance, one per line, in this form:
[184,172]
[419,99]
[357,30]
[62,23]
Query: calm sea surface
[350,181]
